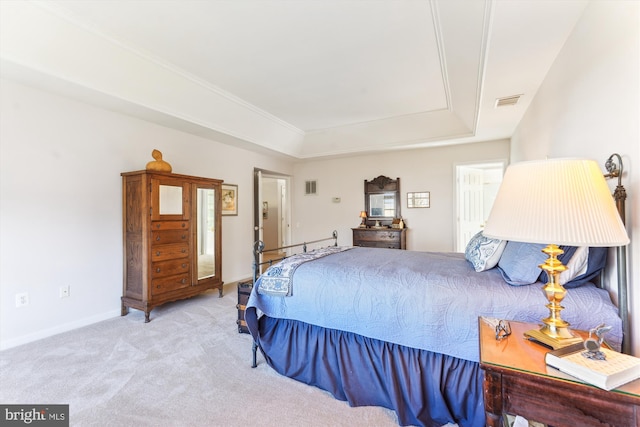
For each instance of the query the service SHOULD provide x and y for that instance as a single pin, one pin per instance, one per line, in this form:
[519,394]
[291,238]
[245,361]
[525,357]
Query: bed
[399,329]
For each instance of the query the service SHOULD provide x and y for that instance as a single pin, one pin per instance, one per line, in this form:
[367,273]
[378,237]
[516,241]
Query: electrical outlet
[65,291]
[22,299]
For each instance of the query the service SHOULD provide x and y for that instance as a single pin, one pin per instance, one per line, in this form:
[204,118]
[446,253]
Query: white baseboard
[46,333]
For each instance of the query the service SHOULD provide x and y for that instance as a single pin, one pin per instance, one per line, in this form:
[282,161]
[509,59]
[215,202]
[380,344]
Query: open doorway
[271,208]
[476,189]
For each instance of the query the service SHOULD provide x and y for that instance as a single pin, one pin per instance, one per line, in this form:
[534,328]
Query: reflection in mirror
[170,200]
[383,204]
[206,232]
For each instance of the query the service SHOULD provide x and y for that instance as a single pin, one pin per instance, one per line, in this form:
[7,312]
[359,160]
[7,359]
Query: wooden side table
[517,381]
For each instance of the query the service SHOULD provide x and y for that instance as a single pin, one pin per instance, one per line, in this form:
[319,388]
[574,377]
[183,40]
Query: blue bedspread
[424,300]
[278,279]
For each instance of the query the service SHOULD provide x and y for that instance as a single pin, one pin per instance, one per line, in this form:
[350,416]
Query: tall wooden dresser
[172,238]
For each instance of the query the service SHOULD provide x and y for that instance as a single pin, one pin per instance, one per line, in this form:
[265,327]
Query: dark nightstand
[517,381]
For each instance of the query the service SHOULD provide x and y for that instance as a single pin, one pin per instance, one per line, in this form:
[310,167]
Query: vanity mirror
[382,200]
[382,208]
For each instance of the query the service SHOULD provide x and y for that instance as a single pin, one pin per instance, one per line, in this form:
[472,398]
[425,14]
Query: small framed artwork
[420,199]
[229,199]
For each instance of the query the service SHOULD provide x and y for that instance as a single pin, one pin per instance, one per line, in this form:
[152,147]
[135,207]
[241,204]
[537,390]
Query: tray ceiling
[302,78]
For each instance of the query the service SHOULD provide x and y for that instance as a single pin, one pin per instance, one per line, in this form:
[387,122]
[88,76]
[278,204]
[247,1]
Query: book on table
[614,371]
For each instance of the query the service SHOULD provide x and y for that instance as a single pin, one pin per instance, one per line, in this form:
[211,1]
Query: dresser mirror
[382,205]
[170,200]
[382,200]
[206,232]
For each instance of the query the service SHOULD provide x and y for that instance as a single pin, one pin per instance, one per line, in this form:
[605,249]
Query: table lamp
[363,215]
[555,202]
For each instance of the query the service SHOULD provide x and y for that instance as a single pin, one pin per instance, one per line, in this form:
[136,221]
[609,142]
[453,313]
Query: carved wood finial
[158,164]
[381,181]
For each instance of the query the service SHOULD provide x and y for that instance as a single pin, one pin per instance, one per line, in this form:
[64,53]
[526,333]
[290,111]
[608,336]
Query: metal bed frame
[620,196]
[259,250]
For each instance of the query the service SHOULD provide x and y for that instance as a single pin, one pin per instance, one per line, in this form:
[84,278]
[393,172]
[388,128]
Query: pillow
[576,266]
[568,254]
[483,252]
[519,262]
[589,263]
[576,261]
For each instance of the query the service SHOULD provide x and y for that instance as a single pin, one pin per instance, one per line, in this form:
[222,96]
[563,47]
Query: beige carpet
[188,367]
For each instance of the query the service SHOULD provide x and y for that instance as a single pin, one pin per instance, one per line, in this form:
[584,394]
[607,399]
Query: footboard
[259,250]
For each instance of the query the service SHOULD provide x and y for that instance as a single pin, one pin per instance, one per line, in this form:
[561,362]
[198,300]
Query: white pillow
[483,252]
[576,266]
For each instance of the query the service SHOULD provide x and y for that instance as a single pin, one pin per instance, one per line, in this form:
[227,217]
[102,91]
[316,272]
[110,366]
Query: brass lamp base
[555,332]
[548,340]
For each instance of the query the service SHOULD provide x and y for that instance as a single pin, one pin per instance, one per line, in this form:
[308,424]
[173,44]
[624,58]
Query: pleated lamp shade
[559,201]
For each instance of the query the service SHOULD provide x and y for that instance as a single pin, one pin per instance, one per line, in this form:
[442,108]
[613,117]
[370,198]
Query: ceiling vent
[507,100]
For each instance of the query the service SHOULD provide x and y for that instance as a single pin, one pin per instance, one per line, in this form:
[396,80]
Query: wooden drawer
[376,236]
[383,244]
[169,268]
[167,252]
[171,283]
[169,225]
[162,237]
[387,238]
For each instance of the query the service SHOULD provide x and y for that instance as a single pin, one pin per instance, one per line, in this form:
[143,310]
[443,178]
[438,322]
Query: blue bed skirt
[422,387]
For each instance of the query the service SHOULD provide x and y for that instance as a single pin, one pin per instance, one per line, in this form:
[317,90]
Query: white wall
[428,169]
[589,106]
[61,205]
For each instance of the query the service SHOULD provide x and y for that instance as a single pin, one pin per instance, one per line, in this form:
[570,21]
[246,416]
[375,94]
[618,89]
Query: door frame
[285,211]
[458,208]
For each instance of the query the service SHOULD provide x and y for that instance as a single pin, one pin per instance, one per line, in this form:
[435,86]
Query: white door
[284,212]
[477,186]
[470,204]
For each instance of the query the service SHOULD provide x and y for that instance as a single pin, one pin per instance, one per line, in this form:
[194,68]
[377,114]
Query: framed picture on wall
[229,199]
[420,199]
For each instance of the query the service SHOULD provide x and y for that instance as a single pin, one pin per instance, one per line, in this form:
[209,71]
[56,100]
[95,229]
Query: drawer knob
[158,270]
[184,265]
[158,253]
[183,281]
[184,225]
[184,251]
[158,239]
[184,236]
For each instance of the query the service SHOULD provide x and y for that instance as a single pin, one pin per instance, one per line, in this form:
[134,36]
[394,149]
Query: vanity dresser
[393,238]
[172,240]
[382,209]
